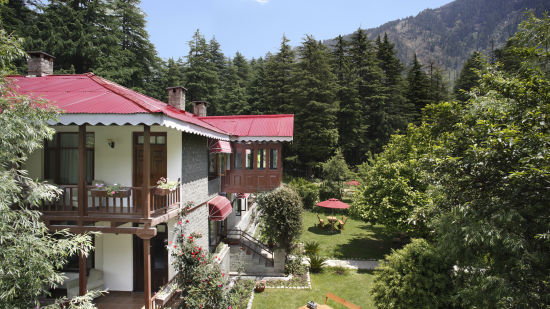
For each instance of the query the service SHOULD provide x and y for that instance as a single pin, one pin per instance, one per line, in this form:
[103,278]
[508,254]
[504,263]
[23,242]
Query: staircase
[256,257]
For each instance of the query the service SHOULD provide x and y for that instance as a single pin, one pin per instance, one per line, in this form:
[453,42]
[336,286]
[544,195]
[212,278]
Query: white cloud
[262,1]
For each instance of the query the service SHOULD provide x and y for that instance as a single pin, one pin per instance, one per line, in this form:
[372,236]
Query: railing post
[146,171]
[82,190]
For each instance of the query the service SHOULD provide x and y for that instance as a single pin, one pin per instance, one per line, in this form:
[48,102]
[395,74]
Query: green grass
[358,240]
[353,286]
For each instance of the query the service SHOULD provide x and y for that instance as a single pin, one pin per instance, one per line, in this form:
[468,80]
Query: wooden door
[158,160]
[159,260]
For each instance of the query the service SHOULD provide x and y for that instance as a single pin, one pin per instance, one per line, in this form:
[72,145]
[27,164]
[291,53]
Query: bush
[281,215]
[308,191]
[316,263]
[330,189]
[312,248]
[240,293]
[294,266]
[416,276]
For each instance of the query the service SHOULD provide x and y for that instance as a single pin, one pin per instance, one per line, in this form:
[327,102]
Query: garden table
[332,221]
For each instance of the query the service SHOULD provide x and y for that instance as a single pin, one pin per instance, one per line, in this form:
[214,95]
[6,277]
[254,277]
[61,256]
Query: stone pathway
[353,264]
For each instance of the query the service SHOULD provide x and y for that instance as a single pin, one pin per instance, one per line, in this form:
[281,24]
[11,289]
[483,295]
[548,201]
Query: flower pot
[98,193]
[122,193]
[163,192]
[260,286]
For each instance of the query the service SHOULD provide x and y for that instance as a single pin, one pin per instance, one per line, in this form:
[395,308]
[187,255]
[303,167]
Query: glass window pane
[69,139]
[161,140]
[50,160]
[249,158]
[90,140]
[261,159]
[140,140]
[53,141]
[238,160]
[68,169]
[89,166]
[273,158]
[153,140]
[212,163]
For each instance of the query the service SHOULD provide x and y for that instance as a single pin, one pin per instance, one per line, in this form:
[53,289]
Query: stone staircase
[255,257]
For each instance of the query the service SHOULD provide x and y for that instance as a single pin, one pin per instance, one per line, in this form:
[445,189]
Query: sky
[255,27]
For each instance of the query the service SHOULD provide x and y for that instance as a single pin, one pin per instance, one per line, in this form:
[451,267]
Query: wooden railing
[127,201]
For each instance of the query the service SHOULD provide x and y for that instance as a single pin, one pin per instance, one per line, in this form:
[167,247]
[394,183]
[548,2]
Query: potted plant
[165,186]
[260,286]
[114,190]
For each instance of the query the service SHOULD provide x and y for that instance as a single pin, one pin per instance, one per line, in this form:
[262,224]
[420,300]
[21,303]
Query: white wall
[114,256]
[114,165]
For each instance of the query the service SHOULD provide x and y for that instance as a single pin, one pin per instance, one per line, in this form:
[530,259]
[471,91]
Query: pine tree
[235,97]
[201,75]
[256,87]
[279,80]
[469,76]
[438,91]
[316,133]
[418,86]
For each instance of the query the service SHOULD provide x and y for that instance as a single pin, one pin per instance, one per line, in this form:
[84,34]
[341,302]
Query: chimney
[176,97]
[39,64]
[199,108]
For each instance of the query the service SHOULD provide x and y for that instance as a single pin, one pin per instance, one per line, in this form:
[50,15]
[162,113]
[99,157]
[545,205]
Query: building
[108,134]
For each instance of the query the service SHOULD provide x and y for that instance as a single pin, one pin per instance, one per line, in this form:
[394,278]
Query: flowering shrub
[164,183]
[202,283]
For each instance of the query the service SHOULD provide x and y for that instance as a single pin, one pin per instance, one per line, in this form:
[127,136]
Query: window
[153,139]
[212,166]
[249,153]
[216,231]
[273,158]
[237,207]
[222,164]
[61,158]
[238,157]
[261,159]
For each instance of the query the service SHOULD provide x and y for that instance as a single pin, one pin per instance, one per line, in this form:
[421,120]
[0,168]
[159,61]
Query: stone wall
[198,223]
[194,169]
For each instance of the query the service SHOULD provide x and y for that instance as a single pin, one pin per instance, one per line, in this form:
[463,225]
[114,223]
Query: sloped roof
[254,125]
[91,94]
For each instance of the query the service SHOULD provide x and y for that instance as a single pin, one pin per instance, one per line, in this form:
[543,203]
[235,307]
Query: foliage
[31,256]
[199,277]
[308,191]
[417,276]
[330,189]
[335,169]
[294,265]
[316,263]
[239,294]
[469,76]
[312,248]
[281,215]
[164,183]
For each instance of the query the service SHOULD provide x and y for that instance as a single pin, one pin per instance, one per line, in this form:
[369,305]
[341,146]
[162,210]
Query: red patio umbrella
[333,203]
[352,183]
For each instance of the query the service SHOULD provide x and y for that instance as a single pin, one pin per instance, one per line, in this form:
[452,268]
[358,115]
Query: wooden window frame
[90,151]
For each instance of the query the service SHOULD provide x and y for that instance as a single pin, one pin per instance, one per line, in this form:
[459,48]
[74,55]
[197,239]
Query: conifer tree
[279,80]
[316,133]
[256,87]
[418,86]
[468,77]
[235,97]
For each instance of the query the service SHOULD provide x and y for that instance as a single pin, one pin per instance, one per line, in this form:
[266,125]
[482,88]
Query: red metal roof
[219,208]
[90,94]
[219,147]
[254,125]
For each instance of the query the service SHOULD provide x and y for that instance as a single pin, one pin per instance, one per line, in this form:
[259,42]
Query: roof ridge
[111,87]
[249,116]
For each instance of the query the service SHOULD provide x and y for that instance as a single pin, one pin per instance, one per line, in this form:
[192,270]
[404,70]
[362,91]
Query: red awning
[219,208]
[220,147]
[352,183]
[243,195]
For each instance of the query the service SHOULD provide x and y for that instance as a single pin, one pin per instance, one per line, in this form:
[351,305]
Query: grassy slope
[354,287]
[357,240]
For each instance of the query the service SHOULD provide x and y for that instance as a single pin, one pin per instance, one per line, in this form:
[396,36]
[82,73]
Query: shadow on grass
[322,231]
[365,271]
[366,248]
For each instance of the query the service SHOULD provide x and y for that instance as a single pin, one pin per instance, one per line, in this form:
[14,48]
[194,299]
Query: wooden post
[82,191]
[146,170]
[81,274]
[147,272]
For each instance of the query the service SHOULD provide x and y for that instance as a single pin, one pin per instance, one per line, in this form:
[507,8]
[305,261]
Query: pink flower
[112,192]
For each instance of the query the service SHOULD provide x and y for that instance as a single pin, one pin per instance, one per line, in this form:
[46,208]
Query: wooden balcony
[121,206]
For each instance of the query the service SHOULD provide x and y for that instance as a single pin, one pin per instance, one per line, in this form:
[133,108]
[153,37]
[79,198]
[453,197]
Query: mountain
[447,36]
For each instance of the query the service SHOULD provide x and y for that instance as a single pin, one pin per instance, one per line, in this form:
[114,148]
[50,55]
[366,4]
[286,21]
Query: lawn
[354,286]
[358,240]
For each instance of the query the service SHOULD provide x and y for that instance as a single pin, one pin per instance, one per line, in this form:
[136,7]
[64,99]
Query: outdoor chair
[342,222]
[341,301]
[321,222]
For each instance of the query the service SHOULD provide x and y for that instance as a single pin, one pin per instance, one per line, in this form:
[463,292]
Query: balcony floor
[122,300]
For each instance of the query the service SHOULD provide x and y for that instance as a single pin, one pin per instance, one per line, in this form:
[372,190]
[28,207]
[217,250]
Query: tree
[313,95]
[278,80]
[31,256]
[418,87]
[256,87]
[469,76]
[416,276]
[281,214]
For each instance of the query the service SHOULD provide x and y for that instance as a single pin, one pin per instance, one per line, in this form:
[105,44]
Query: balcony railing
[123,202]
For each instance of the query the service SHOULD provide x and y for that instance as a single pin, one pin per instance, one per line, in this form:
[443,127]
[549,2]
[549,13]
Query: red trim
[219,208]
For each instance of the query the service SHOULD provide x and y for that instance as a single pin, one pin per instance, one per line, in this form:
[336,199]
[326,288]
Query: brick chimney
[176,97]
[39,63]
[199,108]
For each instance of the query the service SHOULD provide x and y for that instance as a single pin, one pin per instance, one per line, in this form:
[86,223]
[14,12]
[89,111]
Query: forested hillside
[351,96]
[448,35]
